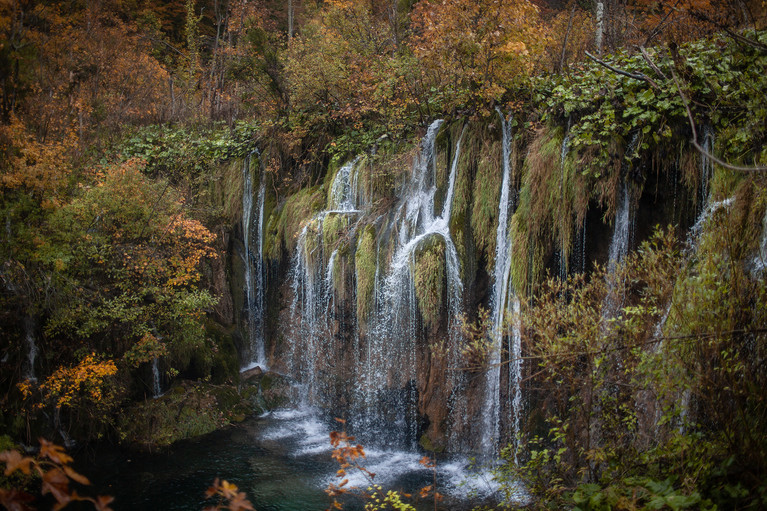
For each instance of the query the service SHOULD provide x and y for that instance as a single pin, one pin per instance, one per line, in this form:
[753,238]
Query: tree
[473,51]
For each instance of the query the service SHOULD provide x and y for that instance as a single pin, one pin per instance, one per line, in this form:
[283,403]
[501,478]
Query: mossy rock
[487,194]
[285,223]
[430,279]
[334,227]
[365,271]
[225,363]
[427,444]
[191,409]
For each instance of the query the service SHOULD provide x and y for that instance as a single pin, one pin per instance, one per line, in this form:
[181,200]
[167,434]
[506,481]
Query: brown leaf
[75,476]
[102,502]
[53,452]
[15,461]
[240,502]
[56,483]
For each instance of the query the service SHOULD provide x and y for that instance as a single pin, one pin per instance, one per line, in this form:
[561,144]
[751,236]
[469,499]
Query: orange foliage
[91,69]
[235,500]
[481,45]
[38,168]
[88,380]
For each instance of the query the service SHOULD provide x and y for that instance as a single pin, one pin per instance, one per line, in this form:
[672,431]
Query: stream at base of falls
[282,461]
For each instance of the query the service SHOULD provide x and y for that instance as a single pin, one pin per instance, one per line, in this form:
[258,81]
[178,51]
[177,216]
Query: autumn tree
[116,277]
[472,51]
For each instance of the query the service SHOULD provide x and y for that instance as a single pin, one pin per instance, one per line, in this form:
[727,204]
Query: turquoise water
[281,460]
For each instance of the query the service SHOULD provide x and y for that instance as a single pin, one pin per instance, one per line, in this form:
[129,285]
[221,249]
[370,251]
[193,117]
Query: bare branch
[635,76]
[651,63]
[659,27]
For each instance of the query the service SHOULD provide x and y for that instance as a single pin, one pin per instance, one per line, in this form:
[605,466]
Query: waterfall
[563,263]
[156,383]
[312,284]
[254,268]
[29,337]
[388,373]
[706,169]
[490,426]
[619,246]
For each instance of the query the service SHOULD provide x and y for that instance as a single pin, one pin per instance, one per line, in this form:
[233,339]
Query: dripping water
[759,263]
[621,240]
[388,394]
[490,425]
[562,157]
[254,268]
[312,277]
[706,169]
[156,383]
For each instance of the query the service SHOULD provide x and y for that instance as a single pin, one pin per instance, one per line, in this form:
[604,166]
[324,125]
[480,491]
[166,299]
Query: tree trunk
[600,12]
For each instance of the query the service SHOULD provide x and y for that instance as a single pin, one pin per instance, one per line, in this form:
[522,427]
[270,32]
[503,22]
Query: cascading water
[388,372]
[706,169]
[705,211]
[619,246]
[490,426]
[254,268]
[312,283]
[156,383]
[563,266]
[620,242]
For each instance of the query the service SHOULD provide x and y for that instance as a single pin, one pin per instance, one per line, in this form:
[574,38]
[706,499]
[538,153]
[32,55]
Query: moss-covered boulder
[192,409]
[430,279]
[365,269]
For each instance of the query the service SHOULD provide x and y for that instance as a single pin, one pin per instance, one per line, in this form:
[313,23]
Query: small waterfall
[621,241]
[691,246]
[693,237]
[254,268]
[312,278]
[32,351]
[706,169]
[619,246]
[563,263]
[156,383]
[388,373]
[491,410]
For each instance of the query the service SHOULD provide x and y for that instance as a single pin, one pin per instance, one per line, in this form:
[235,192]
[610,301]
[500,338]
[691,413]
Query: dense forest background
[117,117]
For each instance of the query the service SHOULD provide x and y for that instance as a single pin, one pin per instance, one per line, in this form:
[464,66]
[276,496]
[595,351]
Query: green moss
[365,272]
[225,190]
[285,223]
[427,444]
[225,366]
[460,225]
[188,411]
[487,194]
[430,279]
[6,443]
[334,227]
